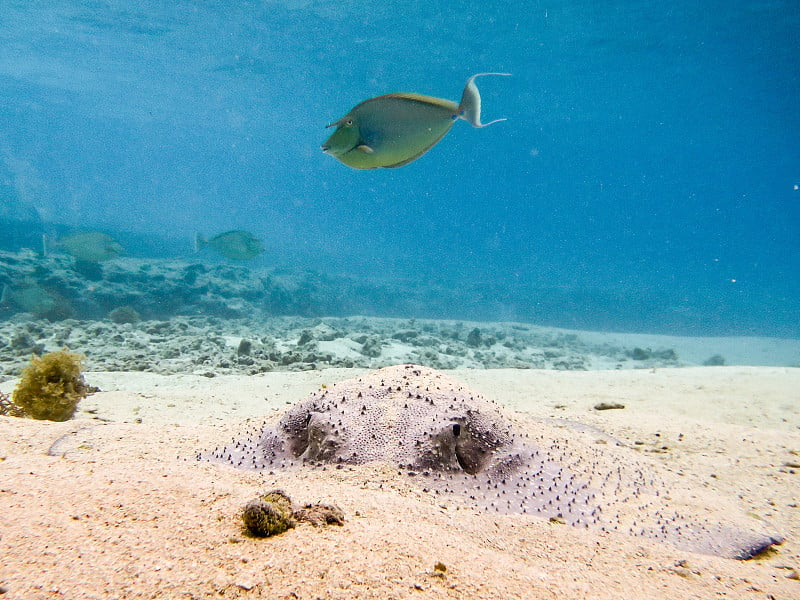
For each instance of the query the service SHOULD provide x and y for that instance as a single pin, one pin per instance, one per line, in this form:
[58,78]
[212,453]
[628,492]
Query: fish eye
[349,122]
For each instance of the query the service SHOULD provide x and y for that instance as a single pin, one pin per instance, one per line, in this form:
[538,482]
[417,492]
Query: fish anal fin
[405,162]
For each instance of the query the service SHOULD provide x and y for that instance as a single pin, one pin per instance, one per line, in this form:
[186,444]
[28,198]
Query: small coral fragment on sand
[8,408]
[609,406]
[320,514]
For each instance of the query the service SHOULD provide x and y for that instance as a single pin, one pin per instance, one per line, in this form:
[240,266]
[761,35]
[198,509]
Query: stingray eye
[456,429]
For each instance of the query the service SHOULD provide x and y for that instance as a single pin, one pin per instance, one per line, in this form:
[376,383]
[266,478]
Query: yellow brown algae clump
[51,386]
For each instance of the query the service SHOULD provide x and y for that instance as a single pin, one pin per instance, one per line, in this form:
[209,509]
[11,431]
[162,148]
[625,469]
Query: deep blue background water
[646,178]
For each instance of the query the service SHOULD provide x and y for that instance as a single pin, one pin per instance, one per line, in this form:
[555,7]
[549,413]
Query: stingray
[457,445]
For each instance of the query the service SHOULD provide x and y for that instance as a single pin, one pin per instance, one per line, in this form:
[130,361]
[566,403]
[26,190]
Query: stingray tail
[470,107]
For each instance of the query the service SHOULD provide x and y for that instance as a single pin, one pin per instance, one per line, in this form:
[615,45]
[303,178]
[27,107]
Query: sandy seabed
[112,504]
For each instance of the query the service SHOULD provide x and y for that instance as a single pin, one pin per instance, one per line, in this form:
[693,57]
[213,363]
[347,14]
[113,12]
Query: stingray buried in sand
[460,447]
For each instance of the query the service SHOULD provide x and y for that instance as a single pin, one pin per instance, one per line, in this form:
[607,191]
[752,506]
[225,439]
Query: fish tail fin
[44,245]
[470,107]
[199,242]
[4,297]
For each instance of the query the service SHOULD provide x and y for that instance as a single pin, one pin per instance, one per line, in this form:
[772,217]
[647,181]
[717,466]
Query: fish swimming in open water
[395,129]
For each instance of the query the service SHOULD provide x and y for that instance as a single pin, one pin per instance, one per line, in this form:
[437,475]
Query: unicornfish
[90,246]
[395,129]
[235,245]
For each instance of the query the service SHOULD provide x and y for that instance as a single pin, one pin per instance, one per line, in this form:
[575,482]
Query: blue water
[646,178]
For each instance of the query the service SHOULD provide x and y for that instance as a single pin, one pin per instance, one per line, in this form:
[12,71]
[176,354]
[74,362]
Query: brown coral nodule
[269,514]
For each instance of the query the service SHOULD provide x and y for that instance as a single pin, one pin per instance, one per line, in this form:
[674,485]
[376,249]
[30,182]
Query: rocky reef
[173,316]
[213,346]
[58,287]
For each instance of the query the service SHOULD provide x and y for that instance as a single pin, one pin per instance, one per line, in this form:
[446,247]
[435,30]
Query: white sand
[737,350]
[126,513]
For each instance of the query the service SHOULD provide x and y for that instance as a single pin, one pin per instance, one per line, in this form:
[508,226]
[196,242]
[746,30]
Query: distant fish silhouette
[89,247]
[28,296]
[396,129]
[234,245]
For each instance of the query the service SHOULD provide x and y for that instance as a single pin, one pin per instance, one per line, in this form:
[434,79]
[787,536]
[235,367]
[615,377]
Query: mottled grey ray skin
[456,444]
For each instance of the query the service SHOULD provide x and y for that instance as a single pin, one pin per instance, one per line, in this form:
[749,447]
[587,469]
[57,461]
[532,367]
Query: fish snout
[330,149]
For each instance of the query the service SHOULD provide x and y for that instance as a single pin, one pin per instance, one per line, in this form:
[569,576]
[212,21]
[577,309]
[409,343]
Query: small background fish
[28,296]
[234,245]
[90,247]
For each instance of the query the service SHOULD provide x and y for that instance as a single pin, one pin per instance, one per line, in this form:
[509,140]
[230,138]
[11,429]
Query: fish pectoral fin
[470,107]
[365,149]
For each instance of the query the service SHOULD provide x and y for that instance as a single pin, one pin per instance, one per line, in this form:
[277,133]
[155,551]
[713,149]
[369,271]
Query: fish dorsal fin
[423,99]
[470,107]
